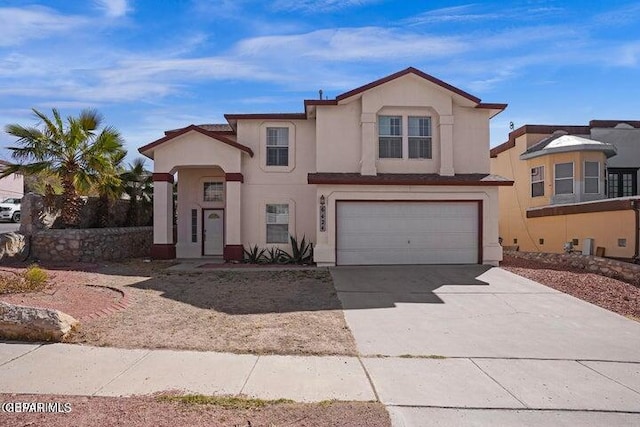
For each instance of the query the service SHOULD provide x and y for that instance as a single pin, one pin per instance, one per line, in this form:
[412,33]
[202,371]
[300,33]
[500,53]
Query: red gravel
[68,292]
[611,294]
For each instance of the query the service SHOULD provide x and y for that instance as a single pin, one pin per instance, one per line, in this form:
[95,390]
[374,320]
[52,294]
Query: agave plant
[276,256]
[301,252]
[254,255]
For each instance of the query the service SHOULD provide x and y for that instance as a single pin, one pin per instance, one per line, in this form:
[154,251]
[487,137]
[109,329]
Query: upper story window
[419,137]
[537,181]
[622,182]
[390,137]
[277,146]
[592,177]
[213,192]
[563,178]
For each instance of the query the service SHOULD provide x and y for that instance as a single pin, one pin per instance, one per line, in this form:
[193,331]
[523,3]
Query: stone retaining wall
[92,244]
[623,271]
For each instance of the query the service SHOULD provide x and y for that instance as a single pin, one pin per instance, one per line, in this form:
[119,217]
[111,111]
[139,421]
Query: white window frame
[596,177]
[556,179]
[291,164]
[269,222]
[275,146]
[428,137]
[220,196]
[392,135]
[541,167]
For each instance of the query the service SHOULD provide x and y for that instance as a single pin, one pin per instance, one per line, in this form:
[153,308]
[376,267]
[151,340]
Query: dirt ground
[149,411]
[611,294]
[271,312]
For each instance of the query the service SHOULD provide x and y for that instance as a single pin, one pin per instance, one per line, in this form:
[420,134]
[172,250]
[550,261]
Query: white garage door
[370,233]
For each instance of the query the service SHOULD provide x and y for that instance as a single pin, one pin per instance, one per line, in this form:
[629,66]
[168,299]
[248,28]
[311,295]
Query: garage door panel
[407,233]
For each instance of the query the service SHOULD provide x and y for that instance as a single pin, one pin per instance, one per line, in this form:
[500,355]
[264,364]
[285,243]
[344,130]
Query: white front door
[213,228]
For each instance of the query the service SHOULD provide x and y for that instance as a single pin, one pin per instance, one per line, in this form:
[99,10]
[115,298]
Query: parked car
[10,209]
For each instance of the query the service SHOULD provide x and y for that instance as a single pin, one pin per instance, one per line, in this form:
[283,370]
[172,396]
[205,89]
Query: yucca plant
[254,255]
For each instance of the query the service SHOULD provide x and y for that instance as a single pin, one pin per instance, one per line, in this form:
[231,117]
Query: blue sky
[150,65]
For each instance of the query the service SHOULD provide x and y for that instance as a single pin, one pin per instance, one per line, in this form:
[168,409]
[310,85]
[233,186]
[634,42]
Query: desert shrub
[33,279]
[254,255]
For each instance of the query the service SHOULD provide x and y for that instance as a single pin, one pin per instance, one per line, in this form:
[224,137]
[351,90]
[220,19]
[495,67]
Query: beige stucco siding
[338,134]
[11,186]
[470,140]
[195,149]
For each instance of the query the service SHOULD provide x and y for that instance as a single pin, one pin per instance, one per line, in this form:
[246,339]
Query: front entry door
[213,229]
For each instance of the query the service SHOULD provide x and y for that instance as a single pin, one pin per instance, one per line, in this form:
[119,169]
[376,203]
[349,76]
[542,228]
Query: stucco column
[491,248]
[163,245]
[446,146]
[233,250]
[368,159]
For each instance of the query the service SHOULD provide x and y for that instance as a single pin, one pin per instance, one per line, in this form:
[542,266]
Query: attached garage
[411,232]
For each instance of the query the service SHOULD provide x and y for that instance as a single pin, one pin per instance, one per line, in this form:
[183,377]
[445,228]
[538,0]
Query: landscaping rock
[34,324]
[11,244]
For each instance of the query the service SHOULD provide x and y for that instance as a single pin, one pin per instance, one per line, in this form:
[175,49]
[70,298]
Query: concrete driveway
[449,343]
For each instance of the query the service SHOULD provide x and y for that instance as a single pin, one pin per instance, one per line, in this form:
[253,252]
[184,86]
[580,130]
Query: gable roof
[406,71]
[147,150]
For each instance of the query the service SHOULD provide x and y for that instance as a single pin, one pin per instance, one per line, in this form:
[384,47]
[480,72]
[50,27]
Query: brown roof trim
[492,106]
[544,129]
[613,123]
[606,206]
[162,177]
[275,116]
[404,72]
[474,179]
[234,177]
[215,135]
[320,102]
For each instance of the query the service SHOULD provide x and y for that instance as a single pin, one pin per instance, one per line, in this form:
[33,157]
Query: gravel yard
[614,295]
[150,411]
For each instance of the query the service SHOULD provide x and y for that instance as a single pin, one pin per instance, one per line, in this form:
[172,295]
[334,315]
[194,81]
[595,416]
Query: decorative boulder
[11,244]
[34,324]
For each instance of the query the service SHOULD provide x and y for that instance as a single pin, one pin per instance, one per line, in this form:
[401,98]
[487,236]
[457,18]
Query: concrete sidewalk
[550,391]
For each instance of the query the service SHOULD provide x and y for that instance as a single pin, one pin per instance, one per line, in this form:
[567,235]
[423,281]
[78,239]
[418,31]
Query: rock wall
[619,270]
[91,244]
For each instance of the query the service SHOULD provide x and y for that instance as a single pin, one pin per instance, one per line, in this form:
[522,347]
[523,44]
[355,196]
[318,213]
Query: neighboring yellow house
[576,188]
[393,172]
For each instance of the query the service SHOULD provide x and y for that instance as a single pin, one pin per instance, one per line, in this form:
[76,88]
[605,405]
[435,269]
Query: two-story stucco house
[393,172]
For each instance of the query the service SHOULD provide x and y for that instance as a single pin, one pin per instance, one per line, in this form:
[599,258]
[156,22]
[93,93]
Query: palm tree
[74,151]
[138,185]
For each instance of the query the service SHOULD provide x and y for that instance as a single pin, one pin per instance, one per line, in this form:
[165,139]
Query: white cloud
[455,14]
[34,22]
[113,8]
[350,44]
[318,5]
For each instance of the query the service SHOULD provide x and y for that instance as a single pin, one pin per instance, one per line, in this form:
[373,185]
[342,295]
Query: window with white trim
[592,177]
[563,178]
[277,223]
[390,137]
[419,137]
[213,192]
[537,181]
[277,146]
